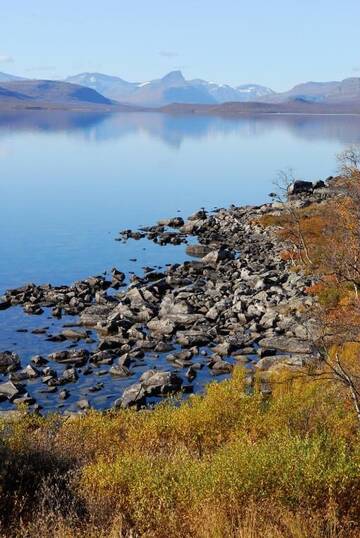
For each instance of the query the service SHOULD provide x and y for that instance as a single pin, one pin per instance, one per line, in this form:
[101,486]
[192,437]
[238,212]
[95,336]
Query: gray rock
[64,394]
[199,215]
[74,356]
[24,399]
[9,359]
[38,360]
[155,382]
[177,311]
[83,404]
[218,255]
[174,222]
[30,372]
[72,334]
[70,375]
[120,371]
[9,390]
[198,250]
[299,187]
[290,361]
[221,367]
[132,396]
[286,344]
[161,327]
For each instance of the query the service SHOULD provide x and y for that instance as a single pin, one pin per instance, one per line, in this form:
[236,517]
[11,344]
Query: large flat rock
[287,344]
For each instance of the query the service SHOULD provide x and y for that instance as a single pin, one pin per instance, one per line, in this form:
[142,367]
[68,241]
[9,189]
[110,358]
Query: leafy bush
[190,470]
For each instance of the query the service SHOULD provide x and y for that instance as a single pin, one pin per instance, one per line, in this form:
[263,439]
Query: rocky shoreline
[238,302]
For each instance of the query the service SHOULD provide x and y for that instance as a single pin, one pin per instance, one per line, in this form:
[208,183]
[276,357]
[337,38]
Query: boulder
[219,367]
[320,184]
[74,356]
[9,360]
[300,187]
[161,327]
[179,312]
[70,375]
[198,215]
[287,344]
[156,383]
[30,372]
[9,390]
[198,251]
[215,256]
[94,314]
[120,371]
[174,222]
[132,396]
[72,334]
[276,361]
[4,303]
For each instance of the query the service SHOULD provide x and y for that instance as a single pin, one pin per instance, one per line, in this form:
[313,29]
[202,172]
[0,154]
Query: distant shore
[229,109]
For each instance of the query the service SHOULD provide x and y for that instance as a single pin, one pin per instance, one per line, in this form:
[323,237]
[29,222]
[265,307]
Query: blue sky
[273,42]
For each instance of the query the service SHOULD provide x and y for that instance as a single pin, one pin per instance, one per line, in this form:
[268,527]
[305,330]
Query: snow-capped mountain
[252,92]
[172,88]
[223,93]
[109,86]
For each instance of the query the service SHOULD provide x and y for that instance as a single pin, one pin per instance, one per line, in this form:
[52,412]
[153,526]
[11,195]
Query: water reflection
[173,130]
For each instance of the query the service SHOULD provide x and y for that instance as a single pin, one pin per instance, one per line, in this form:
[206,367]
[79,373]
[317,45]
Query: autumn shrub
[168,472]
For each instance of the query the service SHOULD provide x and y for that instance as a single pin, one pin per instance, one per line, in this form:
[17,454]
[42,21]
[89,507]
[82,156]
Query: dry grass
[226,464]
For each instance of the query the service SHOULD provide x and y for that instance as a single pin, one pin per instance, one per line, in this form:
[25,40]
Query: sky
[278,43]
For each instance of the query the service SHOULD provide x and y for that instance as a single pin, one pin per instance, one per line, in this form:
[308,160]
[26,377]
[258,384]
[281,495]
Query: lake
[71,181]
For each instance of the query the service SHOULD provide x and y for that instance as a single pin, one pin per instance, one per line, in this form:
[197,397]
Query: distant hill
[49,93]
[344,91]
[5,77]
[172,88]
[112,87]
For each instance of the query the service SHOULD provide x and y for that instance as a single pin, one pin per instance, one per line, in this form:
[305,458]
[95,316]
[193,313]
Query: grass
[225,464]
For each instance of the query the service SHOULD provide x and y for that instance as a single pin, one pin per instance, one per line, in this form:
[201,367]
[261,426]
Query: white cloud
[6,58]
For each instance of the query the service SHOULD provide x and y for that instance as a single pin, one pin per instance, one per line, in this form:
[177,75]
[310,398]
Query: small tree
[340,264]
[293,226]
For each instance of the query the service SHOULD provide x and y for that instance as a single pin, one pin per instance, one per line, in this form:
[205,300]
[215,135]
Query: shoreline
[177,110]
[237,303]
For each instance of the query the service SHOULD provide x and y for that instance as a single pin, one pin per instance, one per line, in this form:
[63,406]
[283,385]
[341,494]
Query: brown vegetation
[226,464]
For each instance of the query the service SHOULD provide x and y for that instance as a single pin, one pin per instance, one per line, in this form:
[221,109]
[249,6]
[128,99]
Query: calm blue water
[70,181]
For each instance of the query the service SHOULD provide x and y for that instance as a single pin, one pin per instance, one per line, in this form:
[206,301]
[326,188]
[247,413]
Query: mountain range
[101,90]
[172,88]
[344,91]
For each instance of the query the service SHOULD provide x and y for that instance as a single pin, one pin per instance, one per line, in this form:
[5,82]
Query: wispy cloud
[6,58]
[356,68]
[168,53]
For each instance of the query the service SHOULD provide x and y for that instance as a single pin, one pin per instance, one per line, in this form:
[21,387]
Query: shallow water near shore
[71,181]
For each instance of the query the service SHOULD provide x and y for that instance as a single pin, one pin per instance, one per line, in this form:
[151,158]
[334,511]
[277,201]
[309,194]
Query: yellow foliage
[169,471]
